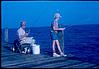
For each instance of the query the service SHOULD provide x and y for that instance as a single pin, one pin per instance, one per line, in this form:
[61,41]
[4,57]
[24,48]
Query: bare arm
[25,35]
[58,28]
[55,27]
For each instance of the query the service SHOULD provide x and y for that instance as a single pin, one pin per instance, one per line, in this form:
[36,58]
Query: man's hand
[26,34]
[63,28]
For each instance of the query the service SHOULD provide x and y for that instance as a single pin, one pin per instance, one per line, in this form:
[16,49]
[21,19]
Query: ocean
[82,41]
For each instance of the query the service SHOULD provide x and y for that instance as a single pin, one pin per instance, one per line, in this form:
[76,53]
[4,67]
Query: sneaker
[23,52]
[13,49]
[62,54]
[55,55]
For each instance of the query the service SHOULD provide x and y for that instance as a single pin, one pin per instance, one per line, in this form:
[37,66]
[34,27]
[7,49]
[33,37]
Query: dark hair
[21,23]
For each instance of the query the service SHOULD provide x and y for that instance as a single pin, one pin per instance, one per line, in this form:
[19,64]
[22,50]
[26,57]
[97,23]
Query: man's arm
[58,28]
[25,35]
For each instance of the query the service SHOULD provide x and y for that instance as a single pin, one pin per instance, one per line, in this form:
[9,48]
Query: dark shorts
[54,36]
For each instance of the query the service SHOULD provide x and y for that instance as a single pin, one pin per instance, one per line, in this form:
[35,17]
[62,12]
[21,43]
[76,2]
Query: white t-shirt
[20,32]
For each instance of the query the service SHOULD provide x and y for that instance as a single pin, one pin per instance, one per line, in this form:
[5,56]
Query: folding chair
[17,46]
[22,47]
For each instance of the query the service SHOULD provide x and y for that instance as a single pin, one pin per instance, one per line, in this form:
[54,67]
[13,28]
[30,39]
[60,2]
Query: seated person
[23,36]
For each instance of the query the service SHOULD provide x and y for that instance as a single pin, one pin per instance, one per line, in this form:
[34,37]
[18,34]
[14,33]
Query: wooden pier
[10,59]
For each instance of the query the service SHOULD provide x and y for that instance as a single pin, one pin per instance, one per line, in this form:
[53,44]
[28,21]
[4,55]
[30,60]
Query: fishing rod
[63,38]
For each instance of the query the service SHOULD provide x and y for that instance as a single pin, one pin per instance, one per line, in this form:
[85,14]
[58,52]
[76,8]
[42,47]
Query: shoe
[23,52]
[62,54]
[55,55]
[13,49]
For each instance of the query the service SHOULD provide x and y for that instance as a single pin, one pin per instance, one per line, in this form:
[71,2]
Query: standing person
[23,36]
[54,35]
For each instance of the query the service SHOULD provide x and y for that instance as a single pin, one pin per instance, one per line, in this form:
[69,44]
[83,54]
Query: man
[23,36]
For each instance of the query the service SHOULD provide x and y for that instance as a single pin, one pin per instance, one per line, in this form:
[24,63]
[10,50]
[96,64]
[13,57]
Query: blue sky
[40,13]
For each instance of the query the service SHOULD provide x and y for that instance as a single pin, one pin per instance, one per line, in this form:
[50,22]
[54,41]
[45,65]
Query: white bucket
[36,49]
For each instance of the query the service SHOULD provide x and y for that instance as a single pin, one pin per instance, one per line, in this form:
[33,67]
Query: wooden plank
[6,54]
[22,58]
[82,65]
[38,59]
[96,66]
[31,63]
[59,64]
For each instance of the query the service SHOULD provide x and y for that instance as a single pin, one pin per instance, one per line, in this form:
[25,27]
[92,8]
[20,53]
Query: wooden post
[6,35]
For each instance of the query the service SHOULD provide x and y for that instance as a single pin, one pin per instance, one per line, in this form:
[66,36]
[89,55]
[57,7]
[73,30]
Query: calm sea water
[79,40]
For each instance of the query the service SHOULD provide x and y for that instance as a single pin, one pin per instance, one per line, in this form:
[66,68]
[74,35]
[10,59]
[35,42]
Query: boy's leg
[53,46]
[57,42]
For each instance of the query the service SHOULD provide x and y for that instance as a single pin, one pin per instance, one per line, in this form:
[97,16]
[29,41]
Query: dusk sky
[40,13]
